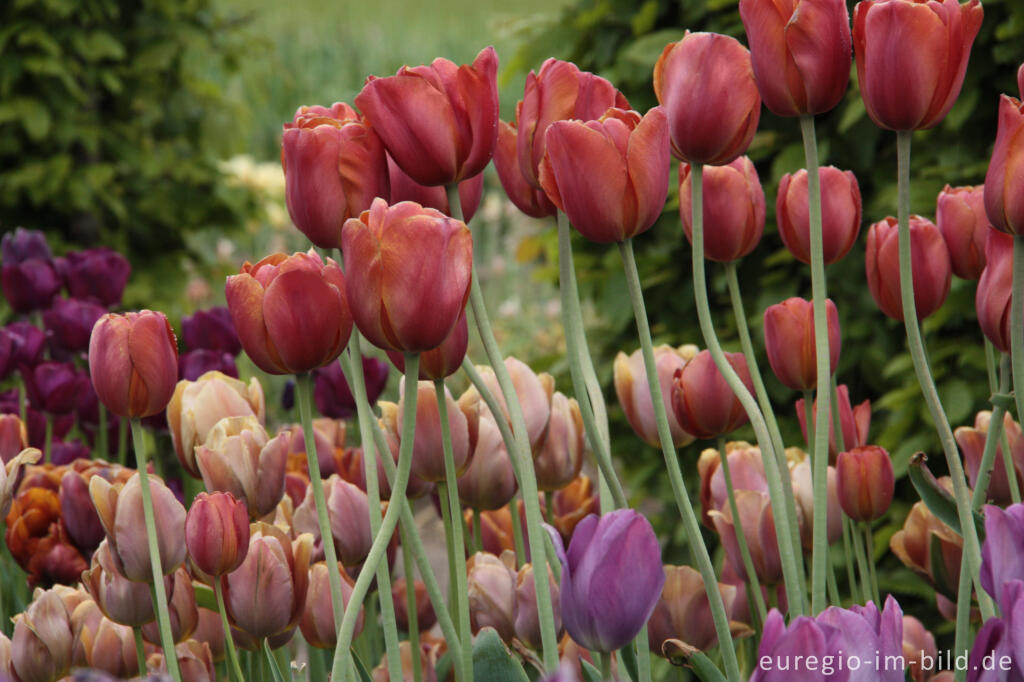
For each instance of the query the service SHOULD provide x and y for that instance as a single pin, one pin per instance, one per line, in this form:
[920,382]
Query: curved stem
[788,556]
[753,584]
[675,474]
[992,439]
[48,439]
[411,606]
[961,493]
[1017,324]
[229,641]
[158,590]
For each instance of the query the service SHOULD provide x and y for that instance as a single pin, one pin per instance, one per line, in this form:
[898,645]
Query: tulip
[120,508]
[133,362]
[572,504]
[533,390]
[182,610]
[961,218]
[734,209]
[291,312]
[69,323]
[746,469]
[840,213]
[13,437]
[801,53]
[426,659]
[703,402]
[609,175]
[334,166]
[758,524]
[427,452]
[1002,553]
[443,361]
[22,245]
[929,548]
[997,648]
[6,350]
[239,458]
[631,387]
[404,188]
[801,479]
[98,275]
[80,518]
[30,285]
[706,84]
[399,303]
[109,647]
[492,593]
[331,391]
[789,341]
[42,641]
[53,387]
[217,533]
[35,536]
[1002,181]
[416,487]
[929,260]
[560,455]
[683,611]
[196,363]
[317,620]
[995,287]
[527,198]
[122,600]
[489,481]
[918,643]
[197,406]
[425,616]
[527,622]
[210,631]
[195,661]
[868,633]
[266,594]
[866,482]
[611,579]
[854,421]
[348,512]
[210,329]
[972,444]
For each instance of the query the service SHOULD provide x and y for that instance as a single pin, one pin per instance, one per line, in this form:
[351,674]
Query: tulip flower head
[961,218]
[995,288]
[98,275]
[932,272]
[866,482]
[840,213]
[734,209]
[855,422]
[217,533]
[702,400]
[210,329]
[634,395]
[789,341]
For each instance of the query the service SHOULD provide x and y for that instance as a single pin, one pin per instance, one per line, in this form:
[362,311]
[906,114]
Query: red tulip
[703,402]
[734,209]
[929,41]
[801,53]
[444,360]
[995,287]
[789,341]
[291,312]
[866,483]
[840,213]
[1004,198]
[529,199]
[438,122]
[133,361]
[217,533]
[960,216]
[929,260]
[610,175]
[854,422]
[404,188]
[333,168]
[409,271]
[706,84]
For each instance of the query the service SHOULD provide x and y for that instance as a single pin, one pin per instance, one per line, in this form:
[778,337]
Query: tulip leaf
[205,597]
[936,498]
[628,656]
[364,672]
[590,673]
[492,661]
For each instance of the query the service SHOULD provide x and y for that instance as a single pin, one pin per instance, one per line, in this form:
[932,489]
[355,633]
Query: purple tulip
[999,647]
[67,451]
[334,397]
[79,514]
[97,274]
[288,395]
[30,285]
[782,655]
[611,579]
[69,323]
[35,421]
[53,387]
[196,363]
[22,245]
[870,635]
[210,330]
[6,354]
[1002,553]
[26,344]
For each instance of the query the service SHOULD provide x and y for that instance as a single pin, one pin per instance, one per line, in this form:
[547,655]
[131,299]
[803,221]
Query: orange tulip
[133,361]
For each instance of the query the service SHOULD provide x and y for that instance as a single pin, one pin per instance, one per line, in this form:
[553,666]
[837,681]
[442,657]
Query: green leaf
[937,499]
[627,655]
[492,661]
[205,598]
[364,672]
[97,45]
[590,673]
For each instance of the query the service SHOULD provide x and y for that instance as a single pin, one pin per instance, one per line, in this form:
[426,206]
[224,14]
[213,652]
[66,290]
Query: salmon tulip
[1003,181]
[840,213]
[789,341]
[133,361]
[961,218]
[734,209]
[929,259]
[993,298]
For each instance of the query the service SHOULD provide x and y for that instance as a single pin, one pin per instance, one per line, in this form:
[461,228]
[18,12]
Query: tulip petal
[299,306]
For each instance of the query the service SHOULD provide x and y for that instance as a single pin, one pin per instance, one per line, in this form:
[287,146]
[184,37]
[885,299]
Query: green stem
[446,522]
[857,592]
[675,474]
[478,536]
[22,405]
[862,564]
[102,443]
[140,651]
[961,493]
[643,656]
[411,605]
[122,442]
[229,642]
[517,533]
[792,572]
[1017,324]
[992,439]
[48,439]
[990,365]
[275,671]
[158,591]
[995,386]
[753,584]
[833,587]
[963,615]
[606,666]
[869,547]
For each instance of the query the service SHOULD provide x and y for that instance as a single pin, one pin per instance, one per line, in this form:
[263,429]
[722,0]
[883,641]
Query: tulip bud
[21,244]
[196,363]
[683,611]
[426,660]
[182,609]
[960,216]
[197,406]
[972,445]
[746,469]
[626,183]
[801,479]
[929,260]
[123,601]
[703,402]
[291,312]
[348,512]
[79,514]
[210,329]
[101,643]
[443,361]
[706,84]
[317,620]
[492,593]
[397,303]
[98,275]
[42,641]
[561,453]
[789,341]
[427,452]
[489,481]
[27,341]
[635,395]
[758,521]
[438,122]
[918,643]
[527,622]
[133,362]
[840,213]
[425,616]
[854,421]
[930,548]
[533,390]
[404,188]
[53,387]
[29,285]
[217,533]
[13,437]
[195,661]
[1002,184]
[734,209]
[69,323]
[993,298]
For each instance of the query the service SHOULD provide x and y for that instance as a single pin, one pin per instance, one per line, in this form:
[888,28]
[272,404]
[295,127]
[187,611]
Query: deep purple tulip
[35,421]
[6,354]
[288,395]
[26,344]
[22,245]
[210,330]
[1002,553]
[196,363]
[53,387]
[611,578]
[69,323]
[30,285]
[87,410]
[780,645]
[67,451]
[79,514]
[333,396]
[999,646]
[97,274]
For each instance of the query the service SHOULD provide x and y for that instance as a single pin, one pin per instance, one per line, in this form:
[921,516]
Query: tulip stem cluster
[229,642]
[700,551]
[1017,323]
[158,590]
[961,493]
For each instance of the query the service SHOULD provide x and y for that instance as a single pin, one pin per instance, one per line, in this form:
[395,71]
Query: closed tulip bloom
[560,456]
[291,312]
[404,188]
[610,175]
[217,533]
[409,272]
[745,467]
[972,445]
[683,611]
[492,593]
[181,608]
[239,458]
[122,600]
[427,451]
[801,51]
[801,479]
[489,481]
[930,548]
[840,213]
[533,390]
[961,218]
[30,285]
[98,275]
[265,596]
[758,523]
[21,244]
[995,288]
[210,329]
[53,387]
[854,422]
[42,641]
[334,166]
[13,437]
[425,616]
[27,343]
[197,406]
[929,258]
[348,512]
[79,515]
[734,209]
[196,363]
[703,402]
[706,84]
[634,395]
[317,620]
[789,341]
[133,362]
[331,391]
[527,623]
[438,122]
[1002,561]
[529,199]
[611,579]
[443,361]
[866,482]
[69,323]
[913,34]
[108,646]
[195,660]
[917,643]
